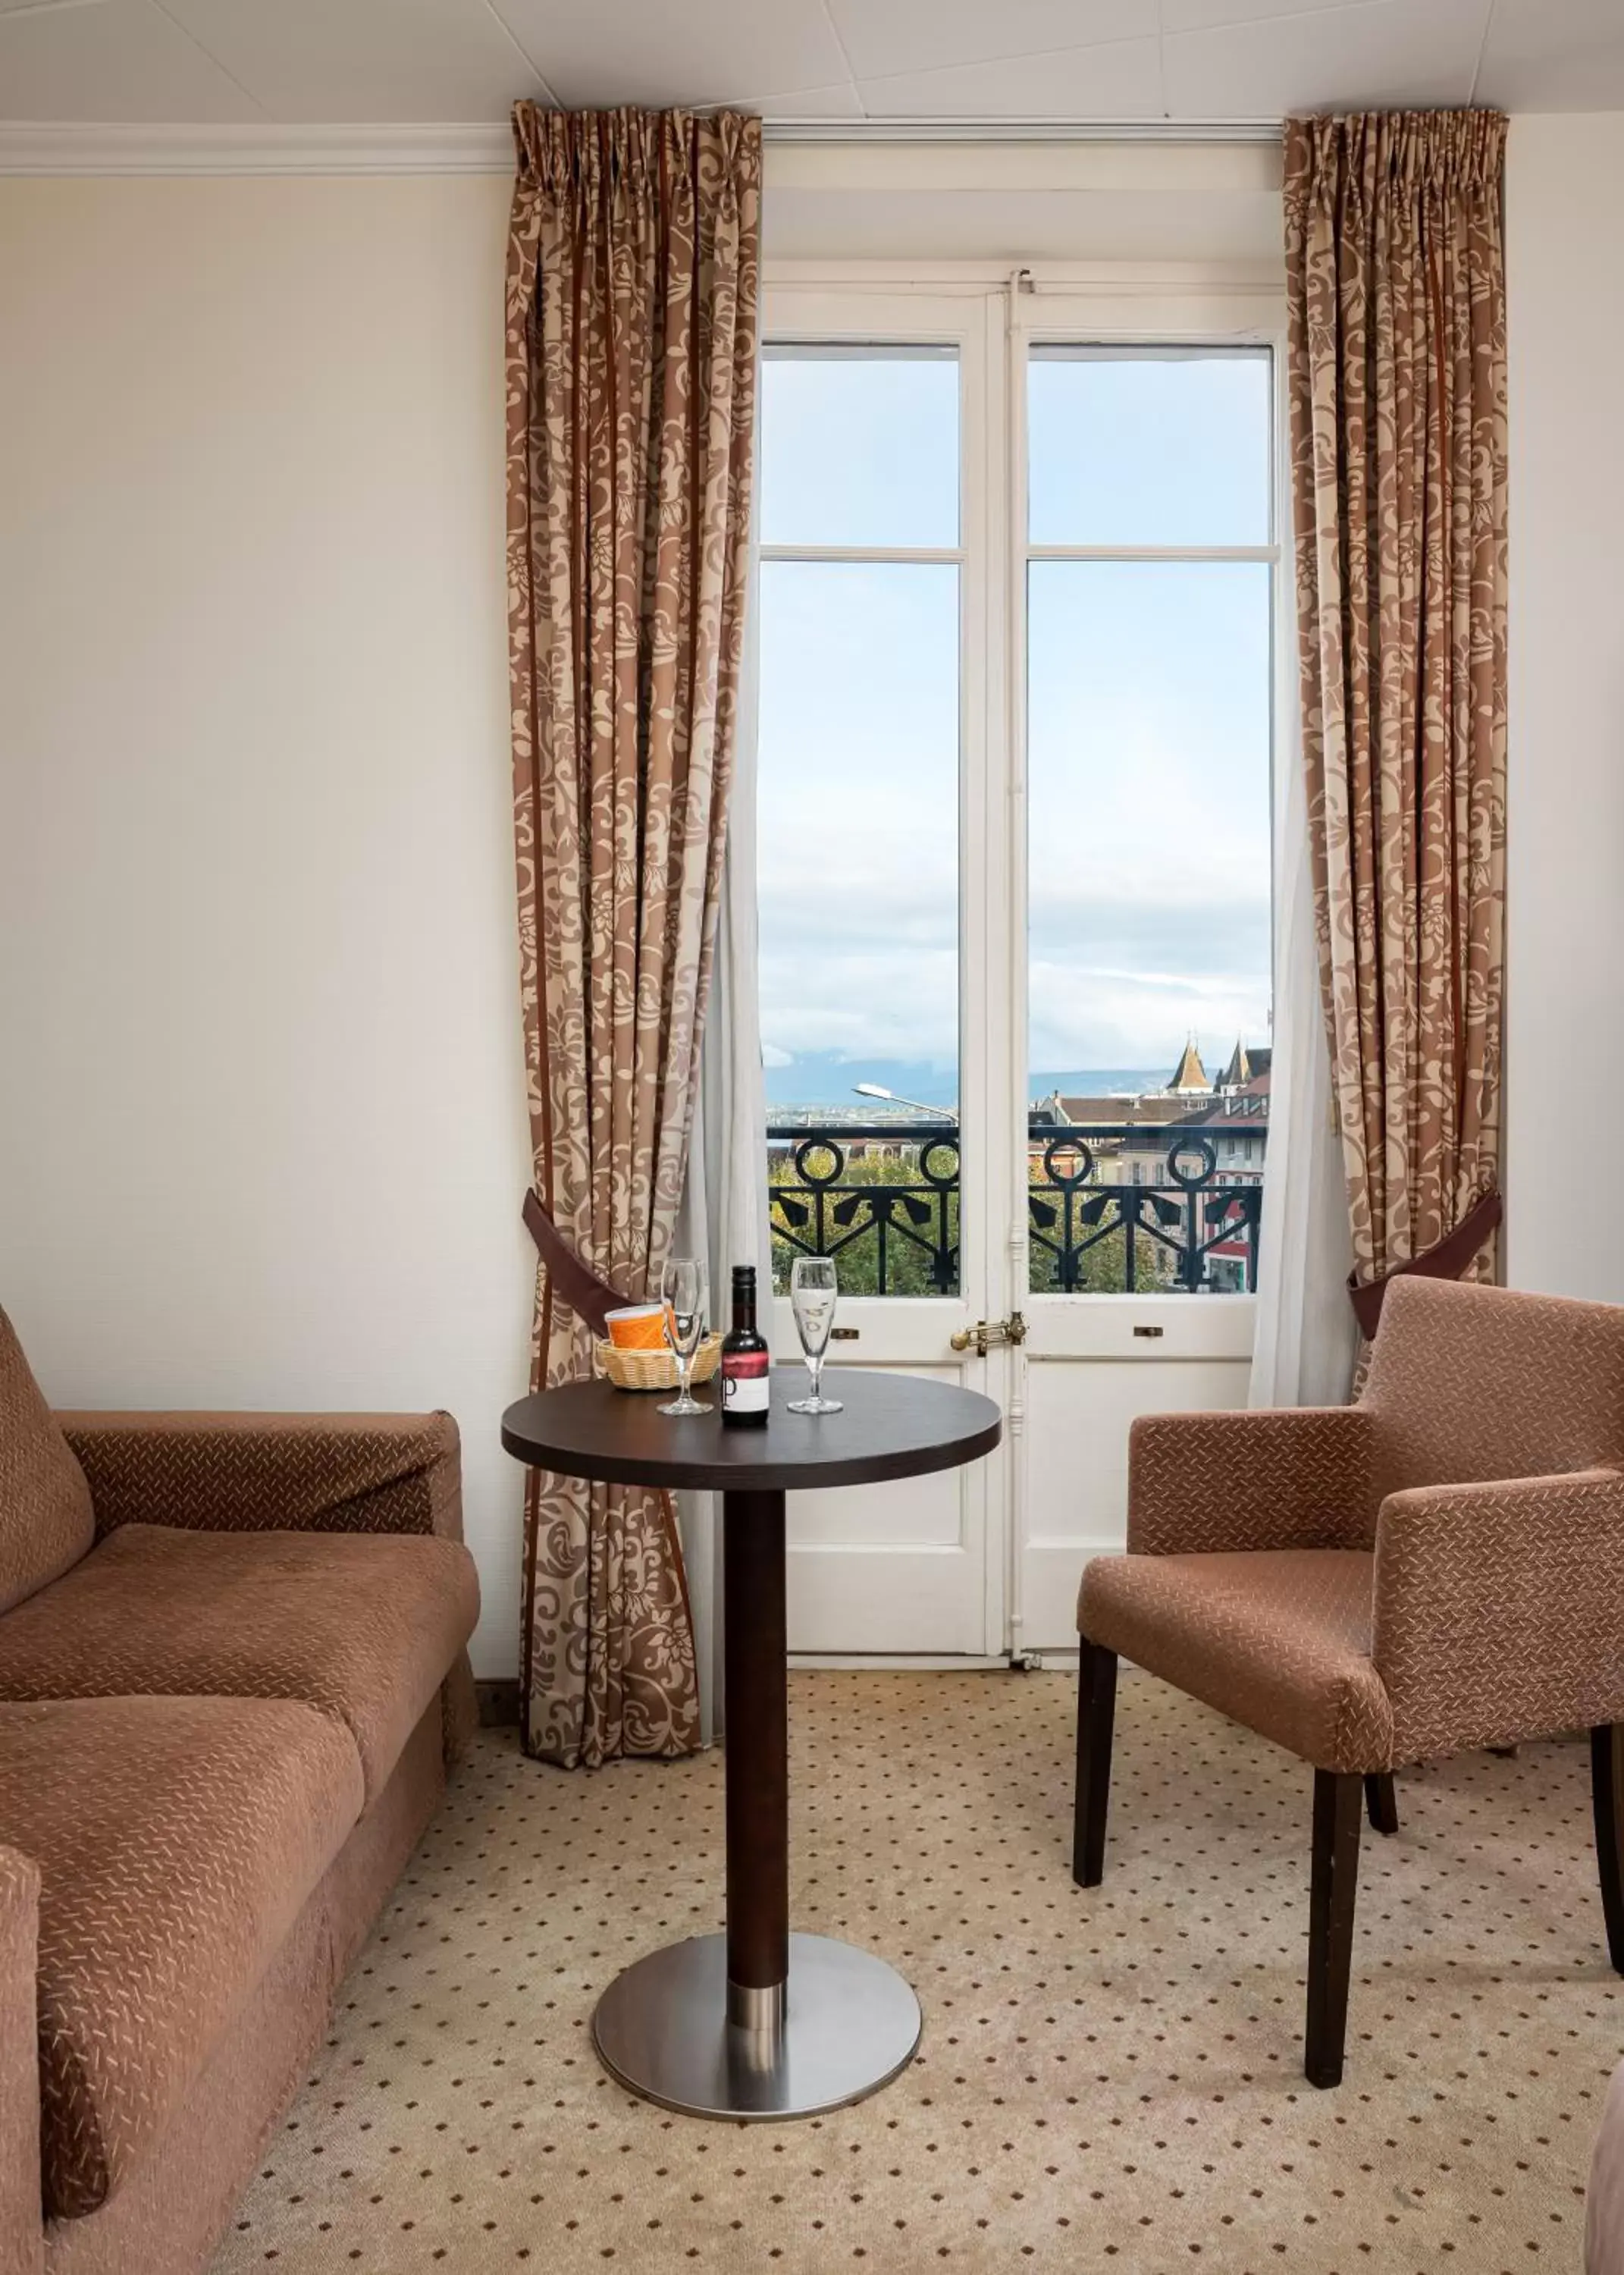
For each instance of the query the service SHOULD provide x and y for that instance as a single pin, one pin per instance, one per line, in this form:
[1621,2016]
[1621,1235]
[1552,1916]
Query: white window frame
[877,312]
[991,312]
[992,315]
[1222,308]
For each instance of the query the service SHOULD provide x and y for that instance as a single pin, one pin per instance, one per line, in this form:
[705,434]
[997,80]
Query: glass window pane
[858,850]
[1148,449]
[859,446]
[1149,932]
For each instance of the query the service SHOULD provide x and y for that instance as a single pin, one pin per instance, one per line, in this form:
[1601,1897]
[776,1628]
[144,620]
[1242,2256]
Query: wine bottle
[746,1379]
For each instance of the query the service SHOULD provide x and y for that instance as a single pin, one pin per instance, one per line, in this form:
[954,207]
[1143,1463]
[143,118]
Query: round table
[760,2023]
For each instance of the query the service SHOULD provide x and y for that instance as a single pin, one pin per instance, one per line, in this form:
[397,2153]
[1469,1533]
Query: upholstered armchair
[1437,1567]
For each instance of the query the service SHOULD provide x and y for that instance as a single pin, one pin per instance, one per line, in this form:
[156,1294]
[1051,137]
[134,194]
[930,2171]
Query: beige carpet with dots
[1109,2080]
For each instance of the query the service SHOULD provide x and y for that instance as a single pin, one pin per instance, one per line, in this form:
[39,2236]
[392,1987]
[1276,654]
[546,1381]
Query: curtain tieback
[576,1283]
[1447,1259]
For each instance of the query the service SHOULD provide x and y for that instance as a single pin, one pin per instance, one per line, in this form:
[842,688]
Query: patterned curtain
[632,301]
[1396,285]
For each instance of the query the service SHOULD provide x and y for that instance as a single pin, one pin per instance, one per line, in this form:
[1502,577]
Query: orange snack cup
[637,1326]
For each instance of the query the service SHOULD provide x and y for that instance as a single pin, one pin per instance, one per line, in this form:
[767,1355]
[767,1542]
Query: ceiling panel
[699,51]
[1555,55]
[1198,15]
[1118,79]
[323,60]
[219,62]
[1388,52]
[115,60]
[882,36]
[838,105]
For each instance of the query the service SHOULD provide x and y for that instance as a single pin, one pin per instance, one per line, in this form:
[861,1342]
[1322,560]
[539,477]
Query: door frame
[994,313]
[1218,309]
[901,1330]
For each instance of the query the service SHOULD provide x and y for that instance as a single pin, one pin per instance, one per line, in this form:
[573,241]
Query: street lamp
[877,1090]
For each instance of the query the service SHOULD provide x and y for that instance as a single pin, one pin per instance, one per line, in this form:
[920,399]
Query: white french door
[879,795]
[968,828]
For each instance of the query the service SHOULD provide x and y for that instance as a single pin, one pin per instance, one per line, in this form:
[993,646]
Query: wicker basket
[655,1370]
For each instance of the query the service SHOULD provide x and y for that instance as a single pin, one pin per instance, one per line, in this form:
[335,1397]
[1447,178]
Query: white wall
[1565,1029]
[262,1124]
[262,1120]
[261,1129]
[1182,202]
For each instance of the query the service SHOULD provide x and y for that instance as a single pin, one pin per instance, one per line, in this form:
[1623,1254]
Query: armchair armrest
[264,1472]
[22,2218]
[1297,1477]
[1499,1610]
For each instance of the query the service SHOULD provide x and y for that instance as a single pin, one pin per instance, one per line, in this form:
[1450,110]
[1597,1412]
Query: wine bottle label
[744,1386]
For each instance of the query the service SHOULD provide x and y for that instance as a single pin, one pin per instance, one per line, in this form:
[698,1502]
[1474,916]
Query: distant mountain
[824,1078]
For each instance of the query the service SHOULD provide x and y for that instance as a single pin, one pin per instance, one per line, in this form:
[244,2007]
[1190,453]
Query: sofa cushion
[364,1626]
[177,1840]
[46,1522]
[1278,1638]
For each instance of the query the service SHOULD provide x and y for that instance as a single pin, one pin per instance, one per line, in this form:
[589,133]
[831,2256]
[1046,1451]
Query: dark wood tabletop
[894,1425]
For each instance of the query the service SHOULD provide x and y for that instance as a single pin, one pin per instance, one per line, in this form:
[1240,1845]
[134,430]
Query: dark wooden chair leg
[1096,1722]
[1331,1889]
[1381,1803]
[1607,1806]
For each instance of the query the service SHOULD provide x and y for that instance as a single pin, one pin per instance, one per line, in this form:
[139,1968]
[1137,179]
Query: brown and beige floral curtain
[631,316]
[1396,287]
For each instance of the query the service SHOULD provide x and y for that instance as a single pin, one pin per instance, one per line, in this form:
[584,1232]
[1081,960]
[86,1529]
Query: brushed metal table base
[850,2024]
[757,2022]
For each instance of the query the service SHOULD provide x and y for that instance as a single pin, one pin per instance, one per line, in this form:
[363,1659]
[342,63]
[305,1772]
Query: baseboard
[899,1662]
[498,1702]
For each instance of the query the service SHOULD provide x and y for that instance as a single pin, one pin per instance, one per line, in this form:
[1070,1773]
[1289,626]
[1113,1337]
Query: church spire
[1189,1074]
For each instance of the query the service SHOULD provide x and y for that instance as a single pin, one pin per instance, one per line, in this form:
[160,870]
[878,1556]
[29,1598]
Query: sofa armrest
[272,1472]
[1499,1610]
[22,2218]
[1296,1478]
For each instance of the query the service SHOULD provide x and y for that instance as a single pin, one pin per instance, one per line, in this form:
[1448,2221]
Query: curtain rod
[31,148]
[1020,130]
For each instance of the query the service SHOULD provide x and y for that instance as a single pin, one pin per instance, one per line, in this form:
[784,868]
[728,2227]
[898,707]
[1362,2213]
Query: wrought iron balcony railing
[1112,1207]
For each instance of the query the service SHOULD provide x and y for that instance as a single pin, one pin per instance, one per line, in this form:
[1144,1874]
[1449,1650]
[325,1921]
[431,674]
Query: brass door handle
[987,1332]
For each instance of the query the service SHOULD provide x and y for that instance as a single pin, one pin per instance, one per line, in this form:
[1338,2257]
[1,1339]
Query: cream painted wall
[261,1122]
[261,1129]
[1564,985]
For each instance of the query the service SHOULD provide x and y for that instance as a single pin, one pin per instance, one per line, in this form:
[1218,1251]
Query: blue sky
[1148,715]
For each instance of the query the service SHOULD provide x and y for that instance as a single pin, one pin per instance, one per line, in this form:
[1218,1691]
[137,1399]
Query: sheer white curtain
[1306,1340]
[724,1212]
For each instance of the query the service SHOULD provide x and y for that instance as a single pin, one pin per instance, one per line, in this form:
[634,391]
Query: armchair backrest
[1468,1384]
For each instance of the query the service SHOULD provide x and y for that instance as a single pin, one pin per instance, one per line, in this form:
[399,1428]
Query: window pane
[1149,936]
[859,850]
[859,446]
[1147,450]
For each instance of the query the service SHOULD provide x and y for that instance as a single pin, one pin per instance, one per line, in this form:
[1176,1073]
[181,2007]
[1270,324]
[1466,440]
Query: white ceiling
[846,62]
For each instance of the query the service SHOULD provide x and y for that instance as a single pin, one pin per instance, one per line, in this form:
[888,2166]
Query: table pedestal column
[757,2022]
[755,1678]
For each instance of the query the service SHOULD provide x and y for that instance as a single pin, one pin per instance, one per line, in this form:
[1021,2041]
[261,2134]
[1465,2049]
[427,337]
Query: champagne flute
[812,1294]
[682,1287]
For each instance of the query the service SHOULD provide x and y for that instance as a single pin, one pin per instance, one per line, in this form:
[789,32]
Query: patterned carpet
[1109,2080]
